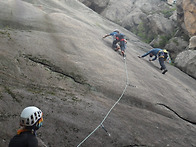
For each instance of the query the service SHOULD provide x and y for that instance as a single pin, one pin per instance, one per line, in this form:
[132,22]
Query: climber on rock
[31,120]
[113,34]
[162,55]
[122,43]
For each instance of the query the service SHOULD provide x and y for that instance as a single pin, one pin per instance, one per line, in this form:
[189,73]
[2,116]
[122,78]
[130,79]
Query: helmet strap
[38,124]
[24,129]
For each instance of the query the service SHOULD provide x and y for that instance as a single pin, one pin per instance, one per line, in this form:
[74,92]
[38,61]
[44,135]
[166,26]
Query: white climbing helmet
[116,30]
[30,115]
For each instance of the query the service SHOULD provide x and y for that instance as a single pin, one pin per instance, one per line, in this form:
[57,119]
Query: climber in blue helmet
[161,54]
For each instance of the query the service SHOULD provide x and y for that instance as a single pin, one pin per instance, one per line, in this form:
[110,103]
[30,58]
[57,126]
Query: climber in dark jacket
[31,120]
[161,54]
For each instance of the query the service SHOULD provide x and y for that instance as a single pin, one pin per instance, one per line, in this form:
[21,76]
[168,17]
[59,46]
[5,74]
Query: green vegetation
[144,33]
[147,37]
[185,37]
[141,31]
[163,41]
[2,32]
[11,93]
[6,33]
[176,42]
[35,90]
[167,13]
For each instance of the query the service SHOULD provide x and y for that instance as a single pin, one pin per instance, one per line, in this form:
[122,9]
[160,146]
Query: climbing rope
[101,124]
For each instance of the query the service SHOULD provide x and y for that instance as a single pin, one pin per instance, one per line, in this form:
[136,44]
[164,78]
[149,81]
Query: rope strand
[101,124]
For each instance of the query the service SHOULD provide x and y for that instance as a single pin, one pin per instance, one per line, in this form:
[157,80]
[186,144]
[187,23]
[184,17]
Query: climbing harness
[101,124]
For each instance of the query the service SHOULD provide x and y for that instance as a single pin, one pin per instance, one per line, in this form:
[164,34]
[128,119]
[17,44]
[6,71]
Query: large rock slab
[192,42]
[189,8]
[175,46]
[53,56]
[186,61]
[186,10]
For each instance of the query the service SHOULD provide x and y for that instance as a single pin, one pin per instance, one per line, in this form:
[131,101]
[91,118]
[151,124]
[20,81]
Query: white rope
[101,124]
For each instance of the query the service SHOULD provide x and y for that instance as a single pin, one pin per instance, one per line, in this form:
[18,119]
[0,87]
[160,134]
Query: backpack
[165,56]
[120,37]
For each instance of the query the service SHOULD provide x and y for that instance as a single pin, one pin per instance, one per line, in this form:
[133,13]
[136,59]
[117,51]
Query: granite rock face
[146,18]
[156,22]
[53,56]
[186,12]
[192,42]
[186,61]
[189,8]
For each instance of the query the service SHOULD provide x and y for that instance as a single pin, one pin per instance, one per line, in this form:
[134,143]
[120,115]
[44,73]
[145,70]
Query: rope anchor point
[102,126]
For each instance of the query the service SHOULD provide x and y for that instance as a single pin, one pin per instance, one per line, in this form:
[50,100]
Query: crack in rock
[54,68]
[187,120]
[136,145]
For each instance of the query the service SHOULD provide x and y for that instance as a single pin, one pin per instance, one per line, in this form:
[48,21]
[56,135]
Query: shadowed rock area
[52,55]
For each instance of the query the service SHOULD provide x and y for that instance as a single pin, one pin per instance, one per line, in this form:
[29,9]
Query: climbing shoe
[164,71]
[161,68]
[124,57]
[116,49]
[123,53]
